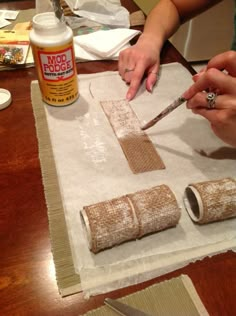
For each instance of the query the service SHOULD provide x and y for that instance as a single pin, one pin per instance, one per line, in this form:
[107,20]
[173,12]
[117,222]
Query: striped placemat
[67,280]
[177,296]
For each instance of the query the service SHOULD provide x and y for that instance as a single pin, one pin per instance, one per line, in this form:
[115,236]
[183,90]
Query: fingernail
[199,74]
[128,97]
[186,95]
[151,87]
[195,77]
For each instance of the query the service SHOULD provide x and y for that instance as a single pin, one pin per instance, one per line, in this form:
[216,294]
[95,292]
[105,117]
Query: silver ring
[129,70]
[211,100]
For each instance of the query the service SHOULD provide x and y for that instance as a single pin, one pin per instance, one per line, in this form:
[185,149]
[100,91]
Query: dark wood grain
[27,278]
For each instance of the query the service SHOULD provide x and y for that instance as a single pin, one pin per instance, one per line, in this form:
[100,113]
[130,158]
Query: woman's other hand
[138,61]
[221,113]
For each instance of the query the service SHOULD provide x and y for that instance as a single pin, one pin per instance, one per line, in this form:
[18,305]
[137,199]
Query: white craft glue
[52,46]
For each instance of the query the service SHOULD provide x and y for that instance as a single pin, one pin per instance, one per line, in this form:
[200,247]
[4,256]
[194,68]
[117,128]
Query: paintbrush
[165,112]
[58,10]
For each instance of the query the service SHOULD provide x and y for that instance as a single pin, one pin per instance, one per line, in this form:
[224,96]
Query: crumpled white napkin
[103,44]
[107,12]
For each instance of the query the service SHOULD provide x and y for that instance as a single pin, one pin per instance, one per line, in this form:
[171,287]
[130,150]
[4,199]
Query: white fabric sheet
[91,168]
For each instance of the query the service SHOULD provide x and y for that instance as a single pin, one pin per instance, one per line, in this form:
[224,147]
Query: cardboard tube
[129,217]
[211,201]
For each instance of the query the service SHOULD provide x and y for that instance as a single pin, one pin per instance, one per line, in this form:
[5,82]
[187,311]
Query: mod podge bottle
[52,46]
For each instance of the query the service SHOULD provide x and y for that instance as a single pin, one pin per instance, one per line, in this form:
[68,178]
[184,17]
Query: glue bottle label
[56,73]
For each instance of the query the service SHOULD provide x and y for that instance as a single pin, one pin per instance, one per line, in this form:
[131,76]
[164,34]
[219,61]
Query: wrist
[151,39]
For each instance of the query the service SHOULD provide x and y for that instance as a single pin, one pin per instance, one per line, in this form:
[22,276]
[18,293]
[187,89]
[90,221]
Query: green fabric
[173,297]
[67,280]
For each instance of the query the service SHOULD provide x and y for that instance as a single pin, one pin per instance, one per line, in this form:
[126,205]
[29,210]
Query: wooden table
[27,276]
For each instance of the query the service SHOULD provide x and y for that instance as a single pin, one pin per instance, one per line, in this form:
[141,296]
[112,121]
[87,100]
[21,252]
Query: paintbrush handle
[58,10]
[170,108]
[165,112]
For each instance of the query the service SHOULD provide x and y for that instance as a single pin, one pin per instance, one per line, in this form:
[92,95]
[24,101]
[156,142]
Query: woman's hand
[223,114]
[137,61]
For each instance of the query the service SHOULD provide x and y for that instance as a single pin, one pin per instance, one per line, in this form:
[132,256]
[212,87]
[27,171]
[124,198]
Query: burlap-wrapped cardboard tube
[211,201]
[128,217]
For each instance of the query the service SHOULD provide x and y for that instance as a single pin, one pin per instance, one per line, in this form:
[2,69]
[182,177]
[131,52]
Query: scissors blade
[123,309]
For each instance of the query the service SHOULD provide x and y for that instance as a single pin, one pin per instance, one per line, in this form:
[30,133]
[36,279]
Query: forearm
[161,23]
[166,17]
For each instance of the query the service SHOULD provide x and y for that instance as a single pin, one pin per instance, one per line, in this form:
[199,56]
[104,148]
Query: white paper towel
[103,44]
